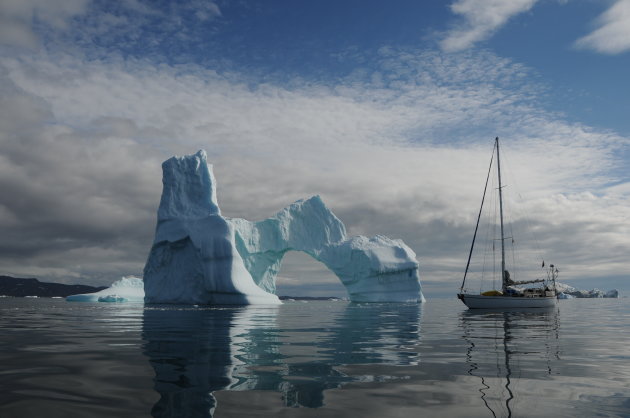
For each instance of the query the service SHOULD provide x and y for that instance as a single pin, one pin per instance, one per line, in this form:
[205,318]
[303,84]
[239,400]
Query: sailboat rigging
[510,296]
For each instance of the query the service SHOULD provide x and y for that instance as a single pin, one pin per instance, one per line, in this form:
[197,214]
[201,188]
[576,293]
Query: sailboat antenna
[472,246]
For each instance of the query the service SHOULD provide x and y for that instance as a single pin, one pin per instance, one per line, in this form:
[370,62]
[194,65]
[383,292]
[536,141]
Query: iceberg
[200,257]
[570,292]
[127,289]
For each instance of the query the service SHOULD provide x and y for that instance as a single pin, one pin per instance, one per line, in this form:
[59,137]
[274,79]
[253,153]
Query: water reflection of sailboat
[297,350]
[505,347]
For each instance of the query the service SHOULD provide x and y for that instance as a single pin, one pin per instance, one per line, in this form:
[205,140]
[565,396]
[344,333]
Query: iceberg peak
[189,188]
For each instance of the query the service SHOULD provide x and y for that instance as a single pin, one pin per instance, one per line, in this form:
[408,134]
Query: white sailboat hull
[506,302]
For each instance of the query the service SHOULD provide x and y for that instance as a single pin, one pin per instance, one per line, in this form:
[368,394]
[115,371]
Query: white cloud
[17,18]
[612,35]
[481,19]
[81,144]
[130,23]
[205,10]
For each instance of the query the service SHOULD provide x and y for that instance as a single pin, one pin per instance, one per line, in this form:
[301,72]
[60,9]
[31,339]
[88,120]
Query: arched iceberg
[201,257]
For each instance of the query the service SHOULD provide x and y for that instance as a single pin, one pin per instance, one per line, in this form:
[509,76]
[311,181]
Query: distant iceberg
[201,257]
[569,292]
[127,289]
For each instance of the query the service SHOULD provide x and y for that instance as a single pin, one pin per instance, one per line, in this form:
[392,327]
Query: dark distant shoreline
[20,287]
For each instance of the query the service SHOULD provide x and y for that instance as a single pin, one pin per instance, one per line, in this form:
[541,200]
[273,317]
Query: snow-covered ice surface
[200,257]
[127,289]
[570,292]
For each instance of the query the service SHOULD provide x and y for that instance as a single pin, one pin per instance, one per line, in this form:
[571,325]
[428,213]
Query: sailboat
[512,293]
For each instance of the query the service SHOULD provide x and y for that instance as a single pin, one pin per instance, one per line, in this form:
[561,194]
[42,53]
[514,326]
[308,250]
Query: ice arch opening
[199,256]
[302,275]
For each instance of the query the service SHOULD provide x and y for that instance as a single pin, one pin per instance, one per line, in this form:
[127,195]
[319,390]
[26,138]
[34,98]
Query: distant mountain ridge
[19,287]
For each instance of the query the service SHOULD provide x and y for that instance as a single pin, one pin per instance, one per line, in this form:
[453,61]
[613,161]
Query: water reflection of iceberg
[299,350]
[195,351]
[505,347]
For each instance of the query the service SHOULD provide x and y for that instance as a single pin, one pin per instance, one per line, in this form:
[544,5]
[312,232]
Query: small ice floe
[127,289]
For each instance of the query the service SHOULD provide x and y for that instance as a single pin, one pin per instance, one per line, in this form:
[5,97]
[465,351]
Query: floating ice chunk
[127,289]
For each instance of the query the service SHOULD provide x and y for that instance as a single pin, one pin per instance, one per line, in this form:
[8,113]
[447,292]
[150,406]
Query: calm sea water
[313,359]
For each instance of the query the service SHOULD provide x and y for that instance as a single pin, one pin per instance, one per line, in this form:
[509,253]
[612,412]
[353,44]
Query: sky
[388,111]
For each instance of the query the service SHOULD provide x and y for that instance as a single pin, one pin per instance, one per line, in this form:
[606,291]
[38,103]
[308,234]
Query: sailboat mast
[503,278]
